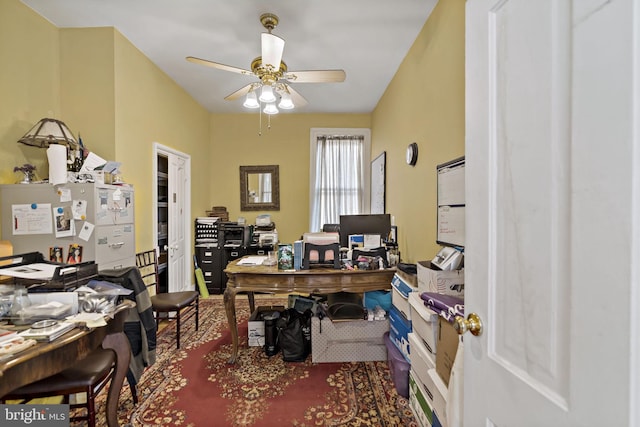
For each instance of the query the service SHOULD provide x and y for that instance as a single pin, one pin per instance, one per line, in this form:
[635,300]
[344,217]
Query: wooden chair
[88,376]
[184,304]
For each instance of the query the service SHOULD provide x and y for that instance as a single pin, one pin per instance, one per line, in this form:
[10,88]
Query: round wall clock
[412,154]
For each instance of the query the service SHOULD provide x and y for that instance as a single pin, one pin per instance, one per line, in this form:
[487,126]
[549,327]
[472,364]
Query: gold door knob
[472,324]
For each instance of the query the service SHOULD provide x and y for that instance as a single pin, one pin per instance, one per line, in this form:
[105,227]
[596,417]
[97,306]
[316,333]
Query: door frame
[159,149]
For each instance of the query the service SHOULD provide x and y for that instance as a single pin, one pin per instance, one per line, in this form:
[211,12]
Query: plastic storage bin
[398,366]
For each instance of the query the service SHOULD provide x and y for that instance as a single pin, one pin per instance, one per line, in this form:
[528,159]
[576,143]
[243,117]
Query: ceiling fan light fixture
[272,49]
[267,95]
[285,102]
[251,101]
[270,109]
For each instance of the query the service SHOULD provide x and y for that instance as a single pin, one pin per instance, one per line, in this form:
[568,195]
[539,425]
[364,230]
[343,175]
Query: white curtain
[264,188]
[339,185]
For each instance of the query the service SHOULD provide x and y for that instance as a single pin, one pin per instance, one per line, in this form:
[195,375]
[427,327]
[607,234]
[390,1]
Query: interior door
[179,218]
[177,241]
[549,171]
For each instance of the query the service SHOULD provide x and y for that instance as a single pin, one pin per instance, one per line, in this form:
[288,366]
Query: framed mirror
[259,188]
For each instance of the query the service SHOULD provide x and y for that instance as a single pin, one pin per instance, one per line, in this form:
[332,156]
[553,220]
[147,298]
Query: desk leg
[120,344]
[230,308]
[252,302]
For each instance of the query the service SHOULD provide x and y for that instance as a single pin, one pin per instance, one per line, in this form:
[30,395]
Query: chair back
[116,325]
[147,263]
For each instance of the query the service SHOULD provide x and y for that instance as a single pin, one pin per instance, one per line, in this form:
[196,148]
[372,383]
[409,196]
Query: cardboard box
[447,346]
[424,322]
[404,283]
[440,393]
[401,289]
[418,401]
[256,324]
[421,362]
[442,282]
[348,341]
[399,328]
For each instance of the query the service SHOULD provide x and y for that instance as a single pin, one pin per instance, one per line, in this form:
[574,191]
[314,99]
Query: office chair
[88,376]
[331,228]
[317,256]
[184,304]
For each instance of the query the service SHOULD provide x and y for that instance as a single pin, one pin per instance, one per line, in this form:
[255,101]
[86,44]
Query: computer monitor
[364,224]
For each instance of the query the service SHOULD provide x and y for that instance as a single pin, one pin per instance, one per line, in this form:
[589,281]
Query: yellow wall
[425,104]
[121,103]
[235,142]
[29,84]
[150,107]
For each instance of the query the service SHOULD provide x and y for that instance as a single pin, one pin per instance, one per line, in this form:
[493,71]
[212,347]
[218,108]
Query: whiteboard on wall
[378,173]
[451,203]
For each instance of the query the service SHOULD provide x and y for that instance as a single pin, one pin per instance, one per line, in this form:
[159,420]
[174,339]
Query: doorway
[172,199]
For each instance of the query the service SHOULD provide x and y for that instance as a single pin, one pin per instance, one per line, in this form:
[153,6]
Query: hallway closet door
[178,223]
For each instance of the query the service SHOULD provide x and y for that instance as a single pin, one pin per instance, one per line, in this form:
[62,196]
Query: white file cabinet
[100,218]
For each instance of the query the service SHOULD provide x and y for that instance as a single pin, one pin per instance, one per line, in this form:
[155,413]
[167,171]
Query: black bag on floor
[294,335]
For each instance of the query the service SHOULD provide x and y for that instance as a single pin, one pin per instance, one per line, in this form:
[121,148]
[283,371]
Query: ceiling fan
[273,75]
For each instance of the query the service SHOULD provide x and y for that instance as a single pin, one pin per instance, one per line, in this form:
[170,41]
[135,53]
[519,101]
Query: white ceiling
[366,38]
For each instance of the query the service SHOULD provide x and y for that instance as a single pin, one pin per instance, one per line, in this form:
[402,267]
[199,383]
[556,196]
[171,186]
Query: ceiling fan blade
[316,76]
[298,100]
[218,65]
[240,92]
[272,49]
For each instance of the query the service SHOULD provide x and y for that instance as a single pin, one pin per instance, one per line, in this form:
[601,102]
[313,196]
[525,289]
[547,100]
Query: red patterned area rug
[195,386]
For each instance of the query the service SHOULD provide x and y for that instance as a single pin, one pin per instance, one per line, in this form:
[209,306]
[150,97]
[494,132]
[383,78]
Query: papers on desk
[252,260]
[36,271]
[90,320]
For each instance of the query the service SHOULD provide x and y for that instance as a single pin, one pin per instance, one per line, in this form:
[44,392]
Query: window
[339,175]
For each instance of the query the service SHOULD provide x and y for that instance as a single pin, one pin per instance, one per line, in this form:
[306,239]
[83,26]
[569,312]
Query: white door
[177,249]
[179,222]
[552,218]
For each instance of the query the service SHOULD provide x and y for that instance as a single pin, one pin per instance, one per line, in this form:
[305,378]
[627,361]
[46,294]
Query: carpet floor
[195,386]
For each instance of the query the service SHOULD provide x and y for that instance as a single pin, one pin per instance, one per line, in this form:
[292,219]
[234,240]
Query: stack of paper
[48,334]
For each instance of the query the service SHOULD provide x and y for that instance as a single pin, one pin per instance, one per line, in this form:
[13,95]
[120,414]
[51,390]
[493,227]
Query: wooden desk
[317,280]
[46,359]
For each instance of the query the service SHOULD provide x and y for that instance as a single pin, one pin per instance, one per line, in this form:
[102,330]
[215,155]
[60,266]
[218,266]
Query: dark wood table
[269,279]
[46,359]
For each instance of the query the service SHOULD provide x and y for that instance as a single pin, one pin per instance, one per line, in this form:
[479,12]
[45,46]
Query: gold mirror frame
[246,177]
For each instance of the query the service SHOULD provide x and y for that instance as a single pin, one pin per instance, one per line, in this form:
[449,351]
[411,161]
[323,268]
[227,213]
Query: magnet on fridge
[34,206]
[60,210]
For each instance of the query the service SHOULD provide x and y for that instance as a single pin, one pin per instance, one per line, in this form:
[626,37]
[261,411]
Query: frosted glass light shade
[251,101]
[285,101]
[270,109]
[267,95]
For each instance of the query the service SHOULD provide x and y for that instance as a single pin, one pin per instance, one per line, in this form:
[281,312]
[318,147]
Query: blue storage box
[404,284]
[399,328]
